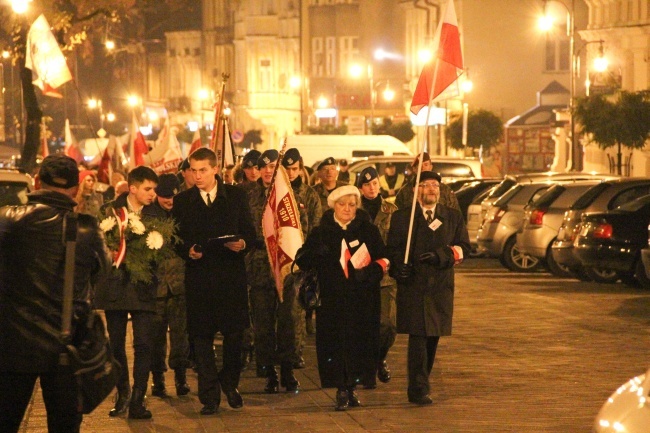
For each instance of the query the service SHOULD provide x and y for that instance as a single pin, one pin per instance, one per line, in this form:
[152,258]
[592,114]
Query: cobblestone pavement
[529,353]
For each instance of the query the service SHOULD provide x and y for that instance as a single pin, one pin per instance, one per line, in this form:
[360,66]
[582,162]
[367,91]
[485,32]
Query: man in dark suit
[425,285]
[215,275]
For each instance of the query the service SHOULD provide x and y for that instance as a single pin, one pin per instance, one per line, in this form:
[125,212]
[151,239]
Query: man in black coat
[32,260]
[215,275]
[120,298]
[425,285]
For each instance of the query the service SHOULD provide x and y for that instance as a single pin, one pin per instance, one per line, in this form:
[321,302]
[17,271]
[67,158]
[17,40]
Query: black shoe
[272,384]
[300,363]
[234,399]
[209,409]
[383,372]
[287,378]
[122,399]
[180,380]
[261,371]
[421,400]
[342,400]
[353,398]
[137,409]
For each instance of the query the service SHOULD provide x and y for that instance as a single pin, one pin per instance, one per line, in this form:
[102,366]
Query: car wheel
[516,261]
[641,275]
[600,275]
[554,267]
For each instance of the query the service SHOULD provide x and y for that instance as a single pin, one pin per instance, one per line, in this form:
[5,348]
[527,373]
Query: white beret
[340,192]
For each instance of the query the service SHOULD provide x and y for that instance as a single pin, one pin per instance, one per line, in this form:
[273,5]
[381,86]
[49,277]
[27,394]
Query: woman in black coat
[347,330]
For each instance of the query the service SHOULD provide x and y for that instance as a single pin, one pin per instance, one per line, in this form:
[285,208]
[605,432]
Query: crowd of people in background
[354,238]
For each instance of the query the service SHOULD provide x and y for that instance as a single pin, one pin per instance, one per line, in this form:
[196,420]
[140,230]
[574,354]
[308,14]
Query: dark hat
[416,161]
[326,161]
[343,162]
[428,175]
[168,185]
[390,164]
[250,159]
[59,171]
[184,165]
[291,156]
[367,174]
[267,157]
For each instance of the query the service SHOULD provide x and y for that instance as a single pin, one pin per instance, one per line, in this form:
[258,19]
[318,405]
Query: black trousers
[60,394]
[211,380]
[421,354]
[143,323]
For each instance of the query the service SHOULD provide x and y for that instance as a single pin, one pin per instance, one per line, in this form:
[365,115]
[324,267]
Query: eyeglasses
[430,185]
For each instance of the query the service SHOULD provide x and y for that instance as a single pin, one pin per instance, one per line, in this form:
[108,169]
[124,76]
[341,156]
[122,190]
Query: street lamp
[97,104]
[20,6]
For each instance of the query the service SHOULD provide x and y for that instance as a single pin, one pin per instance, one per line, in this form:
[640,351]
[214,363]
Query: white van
[314,148]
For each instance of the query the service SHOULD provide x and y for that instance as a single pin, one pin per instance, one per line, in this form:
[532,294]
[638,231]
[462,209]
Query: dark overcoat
[425,303]
[347,322]
[116,291]
[215,285]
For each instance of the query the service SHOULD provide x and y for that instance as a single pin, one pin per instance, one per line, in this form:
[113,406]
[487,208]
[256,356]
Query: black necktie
[429,216]
[209,201]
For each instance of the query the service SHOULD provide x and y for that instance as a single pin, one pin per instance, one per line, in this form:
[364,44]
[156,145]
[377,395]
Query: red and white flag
[71,148]
[196,142]
[437,76]
[137,145]
[165,157]
[281,228]
[45,59]
[228,157]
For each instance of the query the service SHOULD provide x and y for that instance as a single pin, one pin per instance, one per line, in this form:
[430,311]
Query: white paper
[361,258]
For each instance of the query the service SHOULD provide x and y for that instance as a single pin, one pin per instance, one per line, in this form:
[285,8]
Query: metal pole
[372,97]
[574,164]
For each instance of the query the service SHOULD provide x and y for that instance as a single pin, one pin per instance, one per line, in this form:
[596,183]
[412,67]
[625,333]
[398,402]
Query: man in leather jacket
[32,263]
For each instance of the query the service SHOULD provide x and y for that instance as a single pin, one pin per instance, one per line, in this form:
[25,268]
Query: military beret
[168,185]
[326,161]
[368,174]
[416,161]
[59,171]
[291,156]
[340,192]
[267,157]
[428,175]
[184,165]
[390,164]
[250,159]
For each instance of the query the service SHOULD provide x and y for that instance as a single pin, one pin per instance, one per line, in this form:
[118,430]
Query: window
[265,75]
[557,54]
[349,52]
[330,56]
[317,59]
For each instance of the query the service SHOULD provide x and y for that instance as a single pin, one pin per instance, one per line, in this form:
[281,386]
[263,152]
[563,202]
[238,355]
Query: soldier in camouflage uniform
[404,197]
[274,321]
[251,172]
[310,213]
[185,175]
[170,308]
[327,175]
[381,211]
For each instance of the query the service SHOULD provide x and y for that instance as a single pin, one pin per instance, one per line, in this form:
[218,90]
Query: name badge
[435,224]
[354,243]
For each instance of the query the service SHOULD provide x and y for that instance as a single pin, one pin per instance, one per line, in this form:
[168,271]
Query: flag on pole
[165,157]
[105,171]
[196,142]
[71,148]
[446,66]
[45,59]
[137,145]
[281,228]
[228,152]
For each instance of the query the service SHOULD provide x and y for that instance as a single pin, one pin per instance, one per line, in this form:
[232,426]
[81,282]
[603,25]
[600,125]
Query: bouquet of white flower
[138,245]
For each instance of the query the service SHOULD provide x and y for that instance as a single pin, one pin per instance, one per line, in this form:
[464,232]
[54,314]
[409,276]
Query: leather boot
[137,409]
[121,402]
[383,372]
[158,386]
[353,397]
[180,380]
[342,399]
[272,384]
[288,380]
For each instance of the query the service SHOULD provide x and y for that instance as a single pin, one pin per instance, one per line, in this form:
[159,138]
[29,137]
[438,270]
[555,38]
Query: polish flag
[137,145]
[345,258]
[437,76]
[45,59]
[71,148]
[196,142]
[228,154]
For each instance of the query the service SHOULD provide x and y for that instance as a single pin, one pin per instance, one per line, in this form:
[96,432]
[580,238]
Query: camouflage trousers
[299,317]
[388,318]
[274,324]
[170,314]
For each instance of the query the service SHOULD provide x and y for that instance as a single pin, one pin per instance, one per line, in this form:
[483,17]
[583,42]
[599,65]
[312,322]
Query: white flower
[107,224]
[154,240]
[133,216]
[136,226]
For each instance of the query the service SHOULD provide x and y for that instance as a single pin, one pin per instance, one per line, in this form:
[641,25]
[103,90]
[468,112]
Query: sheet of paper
[361,258]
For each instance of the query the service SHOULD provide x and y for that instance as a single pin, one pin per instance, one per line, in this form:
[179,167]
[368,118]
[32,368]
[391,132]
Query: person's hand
[196,252]
[429,258]
[235,246]
[403,272]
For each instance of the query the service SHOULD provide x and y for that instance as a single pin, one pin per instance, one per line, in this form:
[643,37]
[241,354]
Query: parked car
[613,240]
[474,219]
[602,197]
[543,218]
[470,190]
[14,186]
[627,409]
[497,234]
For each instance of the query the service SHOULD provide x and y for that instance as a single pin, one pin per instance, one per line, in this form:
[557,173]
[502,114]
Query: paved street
[530,353]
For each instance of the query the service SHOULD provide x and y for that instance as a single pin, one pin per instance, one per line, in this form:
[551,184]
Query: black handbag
[88,352]
[307,288]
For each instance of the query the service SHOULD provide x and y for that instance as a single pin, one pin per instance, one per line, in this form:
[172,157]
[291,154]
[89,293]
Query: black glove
[446,256]
[429,258]
[403,272]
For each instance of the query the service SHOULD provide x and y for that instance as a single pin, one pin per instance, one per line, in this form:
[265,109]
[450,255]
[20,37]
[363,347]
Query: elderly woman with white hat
[350,258]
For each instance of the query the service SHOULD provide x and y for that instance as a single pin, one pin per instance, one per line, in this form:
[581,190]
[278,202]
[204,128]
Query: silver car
[543,218]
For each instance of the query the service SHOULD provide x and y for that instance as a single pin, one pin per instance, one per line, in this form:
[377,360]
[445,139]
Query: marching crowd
[382,269]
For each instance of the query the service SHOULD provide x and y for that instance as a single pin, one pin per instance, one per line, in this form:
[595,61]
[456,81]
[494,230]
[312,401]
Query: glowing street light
[133,100]
[6,54]
[110,117]
[322,101]
[295,82]
[109,44]
[20,6]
